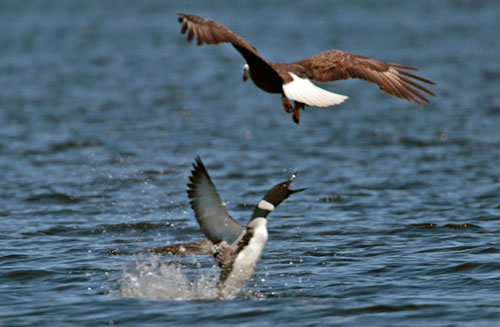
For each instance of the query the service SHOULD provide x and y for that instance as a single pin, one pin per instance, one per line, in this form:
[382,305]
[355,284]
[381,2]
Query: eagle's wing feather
[393,79]
[211,32]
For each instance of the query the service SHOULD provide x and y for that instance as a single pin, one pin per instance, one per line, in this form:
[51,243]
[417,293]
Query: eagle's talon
[286,105]
[296,116]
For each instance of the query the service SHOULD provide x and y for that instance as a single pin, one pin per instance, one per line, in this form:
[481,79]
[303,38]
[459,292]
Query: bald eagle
[293,80]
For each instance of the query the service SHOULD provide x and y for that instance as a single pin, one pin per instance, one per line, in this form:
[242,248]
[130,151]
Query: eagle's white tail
[304,91]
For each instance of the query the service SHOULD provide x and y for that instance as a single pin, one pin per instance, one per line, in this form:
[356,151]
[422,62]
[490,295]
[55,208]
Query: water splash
[152,278]
[158,280]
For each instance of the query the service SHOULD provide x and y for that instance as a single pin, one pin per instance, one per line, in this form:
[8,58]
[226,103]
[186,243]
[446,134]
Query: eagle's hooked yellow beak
[246,73]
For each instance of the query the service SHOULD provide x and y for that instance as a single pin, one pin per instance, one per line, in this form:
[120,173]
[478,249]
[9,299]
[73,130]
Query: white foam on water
[154,278]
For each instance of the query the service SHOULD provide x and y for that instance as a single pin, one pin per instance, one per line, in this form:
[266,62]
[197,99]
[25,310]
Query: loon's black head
[273,197]
[281,191]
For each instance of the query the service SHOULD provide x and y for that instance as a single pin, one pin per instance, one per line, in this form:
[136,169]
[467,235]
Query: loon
[236,248]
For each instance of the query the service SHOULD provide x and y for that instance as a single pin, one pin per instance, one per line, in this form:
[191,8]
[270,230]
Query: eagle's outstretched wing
[210,32]
[393,79]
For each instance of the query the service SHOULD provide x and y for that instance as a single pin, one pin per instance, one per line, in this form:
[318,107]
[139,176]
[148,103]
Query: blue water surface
[103,106]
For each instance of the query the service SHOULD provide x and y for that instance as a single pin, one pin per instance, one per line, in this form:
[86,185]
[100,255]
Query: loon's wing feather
[217,225]
[204,246]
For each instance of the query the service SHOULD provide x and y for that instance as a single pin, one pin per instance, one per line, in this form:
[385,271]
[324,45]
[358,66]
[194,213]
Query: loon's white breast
[246,260]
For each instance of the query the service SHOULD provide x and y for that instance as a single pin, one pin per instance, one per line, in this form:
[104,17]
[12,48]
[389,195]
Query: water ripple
[103,107]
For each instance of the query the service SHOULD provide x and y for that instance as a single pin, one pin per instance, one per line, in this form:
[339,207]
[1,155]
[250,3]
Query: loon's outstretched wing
[222,253]
[203,246]
[210,211]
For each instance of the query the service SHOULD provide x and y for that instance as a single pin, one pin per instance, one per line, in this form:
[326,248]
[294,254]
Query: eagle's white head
[246,72]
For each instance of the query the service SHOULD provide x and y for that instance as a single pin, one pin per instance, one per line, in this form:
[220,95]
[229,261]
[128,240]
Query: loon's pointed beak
[245,76]
[297,191]
[290,180]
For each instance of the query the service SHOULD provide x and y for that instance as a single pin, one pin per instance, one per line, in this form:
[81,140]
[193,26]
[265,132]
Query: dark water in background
[103,106]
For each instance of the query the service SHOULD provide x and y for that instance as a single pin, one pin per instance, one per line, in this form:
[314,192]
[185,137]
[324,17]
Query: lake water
[103,107]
